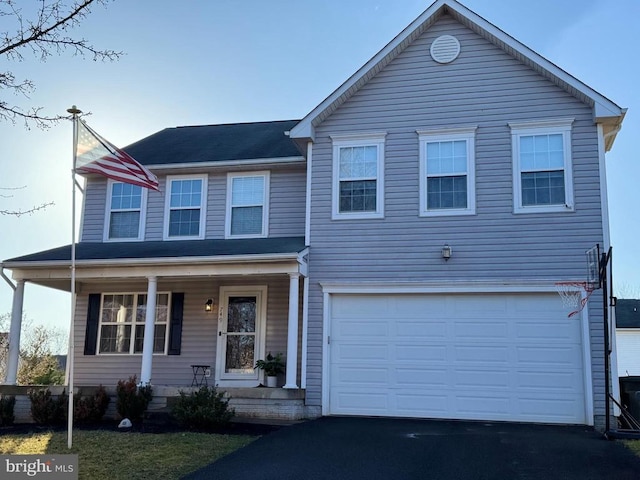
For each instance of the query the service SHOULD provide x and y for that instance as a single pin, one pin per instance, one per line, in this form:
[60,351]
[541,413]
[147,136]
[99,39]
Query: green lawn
[634,446]
[117,455]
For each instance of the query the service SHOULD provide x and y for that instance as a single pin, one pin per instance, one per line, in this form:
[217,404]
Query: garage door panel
[467,306]
[361,329]
[481,354]
[481,330]
[409,404]
[421,353]
[485,379]
[424,330]
[484,357]
[425,378]
[568,381]
[556,356]
[550,331]
[362,353]
[550,409]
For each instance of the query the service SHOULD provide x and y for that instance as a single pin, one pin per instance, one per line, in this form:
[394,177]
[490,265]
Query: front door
[241,324]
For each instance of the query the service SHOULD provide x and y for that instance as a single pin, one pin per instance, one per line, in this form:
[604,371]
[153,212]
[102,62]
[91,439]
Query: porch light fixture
[208,307]
[446,252]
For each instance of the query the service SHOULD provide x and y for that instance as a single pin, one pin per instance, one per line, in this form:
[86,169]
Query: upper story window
[126,205]
[542,170]
[122,317]
[358,176]
[447,171]
[247,204]
[185,207]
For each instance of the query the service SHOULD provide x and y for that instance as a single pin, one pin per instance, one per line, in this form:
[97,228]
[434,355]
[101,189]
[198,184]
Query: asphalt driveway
[383,448]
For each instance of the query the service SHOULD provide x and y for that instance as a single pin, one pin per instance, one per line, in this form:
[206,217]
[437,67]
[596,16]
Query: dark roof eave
[138,262]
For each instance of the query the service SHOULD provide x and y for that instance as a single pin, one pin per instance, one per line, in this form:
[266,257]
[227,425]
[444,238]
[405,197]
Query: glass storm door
[239,337]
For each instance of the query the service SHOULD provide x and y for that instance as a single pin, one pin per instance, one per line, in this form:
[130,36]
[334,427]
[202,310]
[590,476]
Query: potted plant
[272,366]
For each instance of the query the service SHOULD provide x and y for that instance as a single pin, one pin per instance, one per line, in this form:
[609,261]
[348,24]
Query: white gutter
[227,163]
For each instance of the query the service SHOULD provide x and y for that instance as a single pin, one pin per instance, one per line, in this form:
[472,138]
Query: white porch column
[149,332]
[292,338]
[14,334]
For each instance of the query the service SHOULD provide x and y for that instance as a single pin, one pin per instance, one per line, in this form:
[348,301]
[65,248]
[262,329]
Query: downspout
[7,279]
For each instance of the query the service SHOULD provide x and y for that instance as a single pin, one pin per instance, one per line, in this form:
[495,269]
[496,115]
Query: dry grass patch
[116,455]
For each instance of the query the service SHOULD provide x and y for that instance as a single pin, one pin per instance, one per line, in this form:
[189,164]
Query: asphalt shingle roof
[627,313]
[216,143]
[172,249]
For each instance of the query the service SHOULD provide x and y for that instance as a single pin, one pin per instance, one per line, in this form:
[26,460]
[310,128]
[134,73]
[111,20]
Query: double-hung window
[542,171]
[358,176]
[124,218]
[122,318]
[247,204]
[185,207]
[447,171]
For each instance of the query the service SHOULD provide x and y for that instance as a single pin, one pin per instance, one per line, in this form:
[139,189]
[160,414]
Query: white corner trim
[307,216]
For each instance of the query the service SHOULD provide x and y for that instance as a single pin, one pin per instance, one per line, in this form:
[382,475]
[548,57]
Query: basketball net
[571,295]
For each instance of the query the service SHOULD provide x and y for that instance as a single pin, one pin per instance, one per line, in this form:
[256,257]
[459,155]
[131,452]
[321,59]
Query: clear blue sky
[205,62]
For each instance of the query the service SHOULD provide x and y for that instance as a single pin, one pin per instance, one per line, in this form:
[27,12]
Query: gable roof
[605,111]
[205,144]
[627,313]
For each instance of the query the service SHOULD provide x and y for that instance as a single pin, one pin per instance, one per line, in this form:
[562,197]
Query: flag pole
[70,355]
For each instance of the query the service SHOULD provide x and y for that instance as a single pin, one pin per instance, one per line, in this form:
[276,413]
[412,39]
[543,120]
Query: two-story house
[400,244]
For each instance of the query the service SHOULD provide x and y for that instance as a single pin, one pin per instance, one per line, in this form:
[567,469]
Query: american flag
[96,155]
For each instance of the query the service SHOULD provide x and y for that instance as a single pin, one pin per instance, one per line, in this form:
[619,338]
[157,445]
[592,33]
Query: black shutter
[175,327]
[93,319]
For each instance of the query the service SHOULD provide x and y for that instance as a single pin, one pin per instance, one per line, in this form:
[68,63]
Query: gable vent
[445,49]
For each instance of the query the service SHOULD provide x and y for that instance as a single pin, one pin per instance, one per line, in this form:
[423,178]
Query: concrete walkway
[397,449]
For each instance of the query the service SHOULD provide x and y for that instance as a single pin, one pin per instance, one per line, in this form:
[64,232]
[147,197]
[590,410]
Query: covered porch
[156,309]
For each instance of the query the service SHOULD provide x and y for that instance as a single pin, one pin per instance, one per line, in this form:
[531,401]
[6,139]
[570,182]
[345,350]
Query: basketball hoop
[571,295]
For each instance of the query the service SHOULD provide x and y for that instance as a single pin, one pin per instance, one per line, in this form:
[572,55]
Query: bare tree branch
[44,34]
[20,212]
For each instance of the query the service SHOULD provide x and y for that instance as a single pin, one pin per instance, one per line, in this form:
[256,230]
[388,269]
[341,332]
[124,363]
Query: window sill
[544,209]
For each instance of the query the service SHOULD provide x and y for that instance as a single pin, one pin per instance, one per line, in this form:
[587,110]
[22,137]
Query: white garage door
[509,356]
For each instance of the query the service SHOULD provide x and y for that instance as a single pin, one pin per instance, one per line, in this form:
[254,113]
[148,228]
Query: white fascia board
[229,163]
[463,286]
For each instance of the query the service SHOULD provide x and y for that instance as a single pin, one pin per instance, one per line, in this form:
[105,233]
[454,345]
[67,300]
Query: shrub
[91,409]
[132,400]
[7,404]
[203,409]
[46,410]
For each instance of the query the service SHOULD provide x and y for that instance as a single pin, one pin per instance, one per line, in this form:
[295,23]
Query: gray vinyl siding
[286,205]
[484,87]
[93,210]
[199,332]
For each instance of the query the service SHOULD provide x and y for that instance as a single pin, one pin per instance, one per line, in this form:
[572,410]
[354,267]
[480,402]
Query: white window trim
[358,140]
[447,135]
[542,127]
[133,325]
[203,207]
[265,203]
[107,216]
